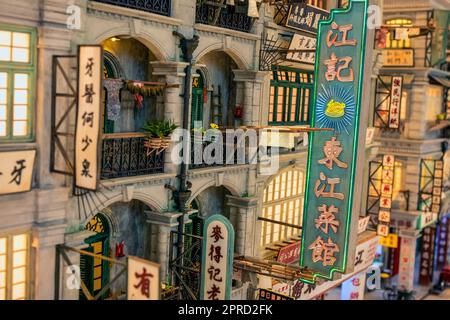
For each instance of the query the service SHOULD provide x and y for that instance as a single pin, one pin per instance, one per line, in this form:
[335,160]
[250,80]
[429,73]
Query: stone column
[412,177]
[407,261]
[165,222]
[254,95]
[245,224]
[45,238]
[417,127]
[69,290]
[172,73]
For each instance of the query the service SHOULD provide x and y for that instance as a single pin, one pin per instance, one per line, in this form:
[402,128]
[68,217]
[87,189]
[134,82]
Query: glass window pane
[5,53]
[2,112]
[21,81]
[18,291]
[20,112]
[3,80]
[2,128]
[20,128]
[20,55]
[19,259]
[20,96]
[20,242]
[3,96]
[2,294]
[19,275]
[5,38]
[2,245]
[2,279]
[21,39]
[2,263]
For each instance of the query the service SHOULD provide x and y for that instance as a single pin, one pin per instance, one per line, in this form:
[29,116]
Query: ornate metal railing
[161,7]
[223,17]
[124,155]
[228,158]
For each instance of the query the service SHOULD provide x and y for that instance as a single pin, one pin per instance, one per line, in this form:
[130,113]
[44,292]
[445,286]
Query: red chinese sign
[387,186]
[427,256]
[289,254]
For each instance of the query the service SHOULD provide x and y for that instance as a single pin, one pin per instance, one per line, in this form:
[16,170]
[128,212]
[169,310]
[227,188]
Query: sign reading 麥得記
[332,158]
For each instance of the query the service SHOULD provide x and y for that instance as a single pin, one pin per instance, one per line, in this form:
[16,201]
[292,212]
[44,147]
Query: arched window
[283,203]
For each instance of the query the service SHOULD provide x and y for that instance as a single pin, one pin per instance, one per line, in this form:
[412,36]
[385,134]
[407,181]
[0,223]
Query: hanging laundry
[113,87]
[252,9]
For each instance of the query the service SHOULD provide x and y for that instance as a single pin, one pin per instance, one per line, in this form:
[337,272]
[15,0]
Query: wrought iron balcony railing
[223,17]
[161,7]
[124,155]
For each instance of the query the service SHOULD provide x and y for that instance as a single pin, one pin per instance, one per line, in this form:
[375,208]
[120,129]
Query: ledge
[168,219]
[115,9]
[137,179]
[234,33]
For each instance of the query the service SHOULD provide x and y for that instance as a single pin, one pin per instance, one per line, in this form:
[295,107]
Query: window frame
[11,68]
[9,236]
[302,117]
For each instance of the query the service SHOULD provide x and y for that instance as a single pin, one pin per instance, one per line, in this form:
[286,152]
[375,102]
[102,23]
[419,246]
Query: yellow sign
[398,58]
[391,241]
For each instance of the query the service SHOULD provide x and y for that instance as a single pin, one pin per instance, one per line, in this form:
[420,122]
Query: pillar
[245,224]
[164,222]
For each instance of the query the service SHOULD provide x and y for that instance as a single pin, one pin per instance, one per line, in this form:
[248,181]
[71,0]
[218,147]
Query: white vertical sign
[353,288]
[143,279]
[406,264]
[396,101]
[387,186]
[90,66]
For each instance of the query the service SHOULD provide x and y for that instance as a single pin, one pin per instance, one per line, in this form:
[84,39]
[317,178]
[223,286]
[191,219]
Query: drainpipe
[182,195]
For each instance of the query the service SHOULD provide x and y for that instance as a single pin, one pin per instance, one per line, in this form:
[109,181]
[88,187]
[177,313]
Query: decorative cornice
[242,202]
[139,181]
[243,36]
[168,219]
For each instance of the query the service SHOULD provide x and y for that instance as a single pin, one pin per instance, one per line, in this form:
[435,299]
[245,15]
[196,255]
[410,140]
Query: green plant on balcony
[158,135]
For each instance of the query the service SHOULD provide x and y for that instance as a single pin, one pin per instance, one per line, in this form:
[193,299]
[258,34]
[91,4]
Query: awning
[440,125]
[445,81]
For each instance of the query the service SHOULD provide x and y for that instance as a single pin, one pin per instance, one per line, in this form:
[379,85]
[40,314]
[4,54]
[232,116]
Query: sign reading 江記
[16,171]
[300,42]
[90,61]
[387,189]
[217,258]
[143,279]
[396,101]
[332,154]
[305,17]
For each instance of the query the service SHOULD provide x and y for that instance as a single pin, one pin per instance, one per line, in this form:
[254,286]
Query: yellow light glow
[20,128]
[20,242]
[2,245]
[18,291]
[5,38]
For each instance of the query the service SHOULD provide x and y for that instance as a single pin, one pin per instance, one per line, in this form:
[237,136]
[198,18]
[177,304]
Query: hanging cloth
[113,87]
[252,9]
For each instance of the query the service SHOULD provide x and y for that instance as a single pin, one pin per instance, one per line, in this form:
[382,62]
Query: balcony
[223,17]
[161,7]
[124,155]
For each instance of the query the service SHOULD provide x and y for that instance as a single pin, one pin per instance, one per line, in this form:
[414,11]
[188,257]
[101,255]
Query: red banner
[289,254]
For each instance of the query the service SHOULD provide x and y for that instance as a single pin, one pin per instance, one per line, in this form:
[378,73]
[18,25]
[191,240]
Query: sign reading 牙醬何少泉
[90,66]
[332,154]
[217,258]
[143,279]
[16,171]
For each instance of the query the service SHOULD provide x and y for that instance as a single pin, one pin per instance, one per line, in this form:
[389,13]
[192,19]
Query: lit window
[14,266]
[283,202]
[391,42]
[434,102]
[16,75]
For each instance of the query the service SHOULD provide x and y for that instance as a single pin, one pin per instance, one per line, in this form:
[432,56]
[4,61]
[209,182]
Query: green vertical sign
[332,154]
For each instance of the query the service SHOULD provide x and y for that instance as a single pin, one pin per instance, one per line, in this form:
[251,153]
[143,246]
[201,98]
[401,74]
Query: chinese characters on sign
[217,259]
[406,264]
[353,288]
[437,186]
[305,17]
[387,185]
[88,116]
[390,241]
[398,58]
[16,171]
[396,101]
[143,279]
[265,294]
[289,254]
[427,256]
[300,42]
[442,242]
[333,154]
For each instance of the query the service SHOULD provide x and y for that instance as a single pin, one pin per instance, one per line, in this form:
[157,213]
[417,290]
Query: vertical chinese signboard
[217,258]
[387,186]
[143,279]
[16,171]
[406,264]
[90,61]
[332,154]
[427,256]
[396,101]
[442,243]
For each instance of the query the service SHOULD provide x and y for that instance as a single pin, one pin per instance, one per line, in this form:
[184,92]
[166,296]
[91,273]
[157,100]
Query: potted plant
[159,133]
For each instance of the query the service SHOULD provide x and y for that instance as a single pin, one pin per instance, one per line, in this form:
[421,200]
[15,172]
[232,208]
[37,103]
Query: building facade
[235,66]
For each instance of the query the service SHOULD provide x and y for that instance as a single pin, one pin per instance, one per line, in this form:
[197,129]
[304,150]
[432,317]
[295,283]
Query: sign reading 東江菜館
[332,156]
[90,62]
[217,258]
